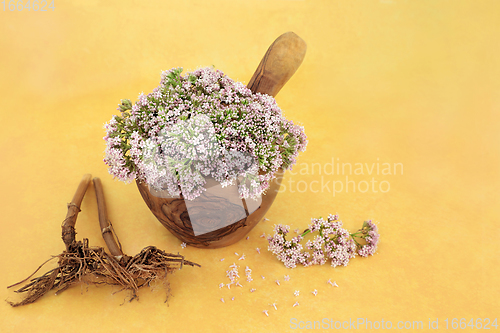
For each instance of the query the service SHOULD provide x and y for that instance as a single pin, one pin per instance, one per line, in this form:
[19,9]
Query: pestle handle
[278,65]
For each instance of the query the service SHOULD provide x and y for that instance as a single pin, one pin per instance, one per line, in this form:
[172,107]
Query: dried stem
[68,227]
[106,227]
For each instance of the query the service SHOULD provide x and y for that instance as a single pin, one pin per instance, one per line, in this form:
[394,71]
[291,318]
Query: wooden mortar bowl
[173,214]
[279,63]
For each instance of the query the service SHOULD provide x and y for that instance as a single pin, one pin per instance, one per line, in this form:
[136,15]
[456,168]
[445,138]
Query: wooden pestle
[280,62]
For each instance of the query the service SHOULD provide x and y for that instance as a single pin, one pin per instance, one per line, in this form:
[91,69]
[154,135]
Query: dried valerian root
[93,265]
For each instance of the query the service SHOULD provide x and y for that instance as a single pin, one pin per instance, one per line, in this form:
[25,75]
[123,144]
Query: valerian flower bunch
[332,242]
[200,125]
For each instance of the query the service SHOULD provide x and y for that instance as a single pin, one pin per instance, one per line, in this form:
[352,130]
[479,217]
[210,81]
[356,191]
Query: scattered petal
[274,305]
[222,300]
[287,277]
[248,237]
[232,299]
[258,250]
[315,292]
[263,277]
[252,290]
[183,245]
[297,231]
[242,257]
[265,311]
[265,219]
[221,285]
[238,284]
[334,284]
[296,304]
[263,235]
[222,259]
[296,292]
[236,253]
[278,282]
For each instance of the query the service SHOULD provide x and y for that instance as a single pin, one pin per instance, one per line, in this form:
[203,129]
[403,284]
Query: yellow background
[390,81]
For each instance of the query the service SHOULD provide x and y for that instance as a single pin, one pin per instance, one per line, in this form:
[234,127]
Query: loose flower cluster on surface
[332,242]
[201,125]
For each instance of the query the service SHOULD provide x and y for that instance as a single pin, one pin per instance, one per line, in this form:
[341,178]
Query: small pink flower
[222,259]
[183,245]
[265,311]
[258,250]
[278,282]
[252,290]
[222,300]
[242,257]
[287,277]
[315,292]
[221,285]
[296,304]
[296,292]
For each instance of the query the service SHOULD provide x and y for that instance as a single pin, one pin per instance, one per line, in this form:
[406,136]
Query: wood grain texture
[280,62]
[173,214]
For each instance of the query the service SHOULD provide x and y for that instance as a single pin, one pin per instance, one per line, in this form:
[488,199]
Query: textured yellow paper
[415,84]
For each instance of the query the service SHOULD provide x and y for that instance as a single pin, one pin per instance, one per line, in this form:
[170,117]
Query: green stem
[356,234]
[359,245]
[306,232]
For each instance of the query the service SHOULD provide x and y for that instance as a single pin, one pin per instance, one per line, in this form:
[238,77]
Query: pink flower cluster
[201,125]
[288,251]
[371,236]
[332,242]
